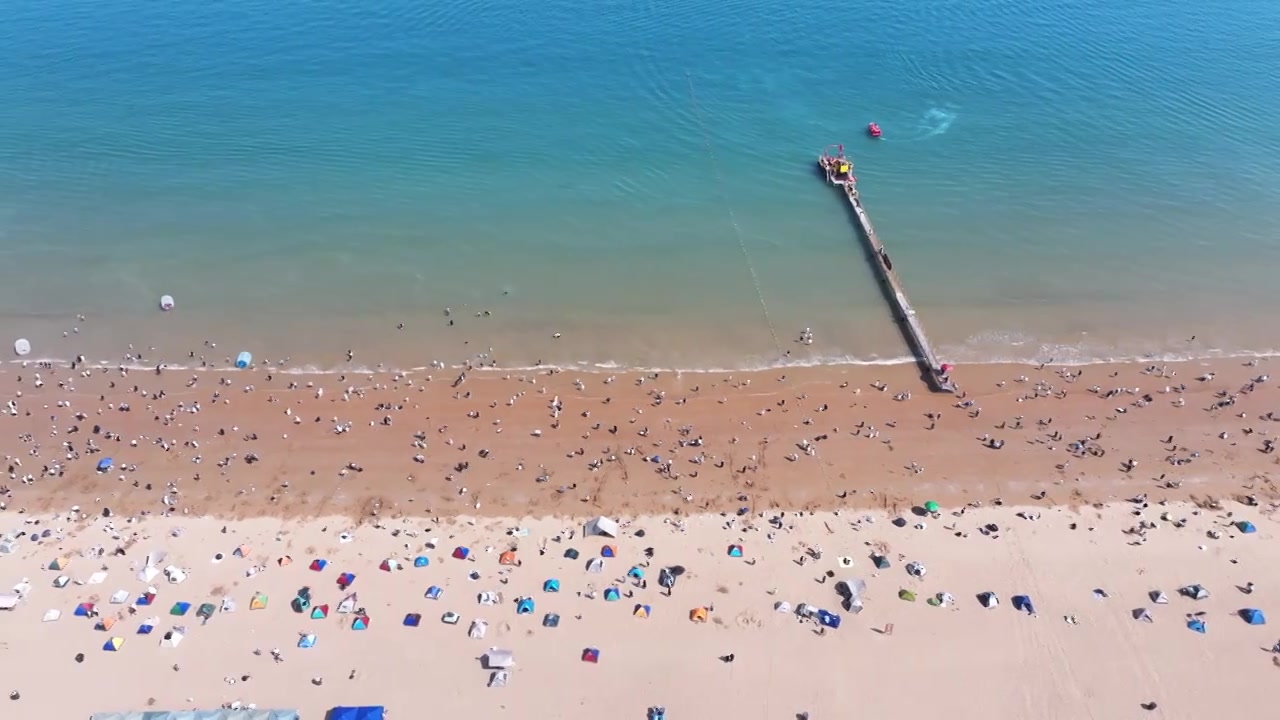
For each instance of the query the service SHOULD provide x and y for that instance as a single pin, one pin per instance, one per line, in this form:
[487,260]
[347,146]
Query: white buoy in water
[21,346]
[166,302]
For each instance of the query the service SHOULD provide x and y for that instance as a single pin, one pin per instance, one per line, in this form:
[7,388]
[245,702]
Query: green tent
[907,595]
[931,506]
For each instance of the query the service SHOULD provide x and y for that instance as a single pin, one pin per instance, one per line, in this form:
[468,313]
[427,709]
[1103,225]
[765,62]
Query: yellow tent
[60,563]
[642,611]
[698,614]
[259,602]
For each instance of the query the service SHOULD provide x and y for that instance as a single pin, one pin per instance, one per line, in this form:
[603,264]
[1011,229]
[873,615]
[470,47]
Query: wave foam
[1064,356]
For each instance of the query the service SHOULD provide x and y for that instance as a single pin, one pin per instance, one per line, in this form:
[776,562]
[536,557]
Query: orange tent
[243,551]
[508,558]
[105,623]
[698,614]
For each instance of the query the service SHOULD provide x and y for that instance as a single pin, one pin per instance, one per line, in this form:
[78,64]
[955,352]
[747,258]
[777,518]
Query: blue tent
[1253,616]
[145,628]
[1196,624]
[434,592]
[524,606]
[104,465]
[828,619]
[735,551]
[1023,603]
[307,641]
[412,620]
[551,620]
[368,712]
[612,594]
[1246,527]
[421,561]
[636,572]
[552,585]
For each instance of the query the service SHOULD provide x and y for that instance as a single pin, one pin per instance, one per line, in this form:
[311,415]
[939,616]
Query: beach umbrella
[931,506]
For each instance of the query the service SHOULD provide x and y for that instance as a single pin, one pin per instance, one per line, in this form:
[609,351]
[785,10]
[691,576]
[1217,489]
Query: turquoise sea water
[1079,179]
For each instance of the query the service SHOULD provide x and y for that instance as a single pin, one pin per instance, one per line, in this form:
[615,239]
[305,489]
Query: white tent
[9,601]
[1158,597]
[119,597]
[1141,615]
[600,526]
[61,581]
[172,639]
[97,578]
[8,546]
[228,605]
[1195,592]
[498,658]
[988,599]
[595,565]
[175,574]
[478,629]
[499,678]
[488,597]
[348,604]
[51,615]
[782,606]
[450,618]
[148,573]
[225,714]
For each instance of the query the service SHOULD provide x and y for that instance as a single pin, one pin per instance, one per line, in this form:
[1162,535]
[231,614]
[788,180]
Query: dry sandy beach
[284,463]
[962,660]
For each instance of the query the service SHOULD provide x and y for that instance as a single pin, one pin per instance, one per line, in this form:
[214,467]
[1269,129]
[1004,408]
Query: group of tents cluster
[1195,621]
[302,602]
